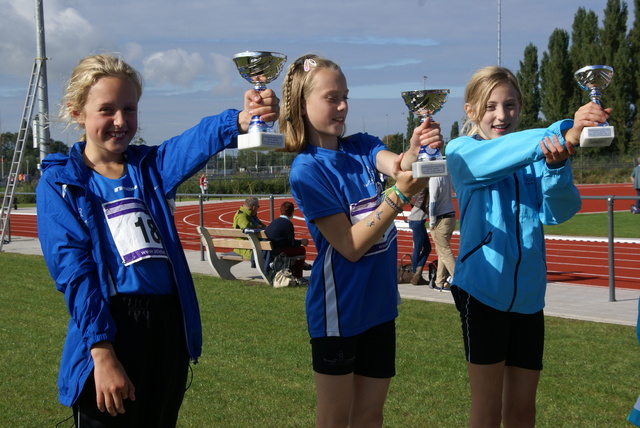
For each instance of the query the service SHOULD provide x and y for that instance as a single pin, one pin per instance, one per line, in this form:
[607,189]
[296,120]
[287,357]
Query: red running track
[568,260]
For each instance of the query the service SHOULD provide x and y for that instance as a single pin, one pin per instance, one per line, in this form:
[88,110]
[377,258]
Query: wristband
[402,197]
[395,207]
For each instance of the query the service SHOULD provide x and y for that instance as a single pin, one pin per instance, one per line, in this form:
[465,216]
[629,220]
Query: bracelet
[389,202]
[402,197]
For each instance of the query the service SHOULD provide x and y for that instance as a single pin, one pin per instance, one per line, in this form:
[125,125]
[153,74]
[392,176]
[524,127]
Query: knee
[371,419]
[522,417]
[332,420]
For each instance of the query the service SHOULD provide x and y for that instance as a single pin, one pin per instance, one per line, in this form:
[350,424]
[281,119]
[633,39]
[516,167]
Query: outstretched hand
[590,114]
[554,152]
[427,134]
[258,103]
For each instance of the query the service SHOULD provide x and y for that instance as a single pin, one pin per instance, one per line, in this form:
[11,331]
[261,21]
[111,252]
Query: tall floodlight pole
[499,33]
[41,138]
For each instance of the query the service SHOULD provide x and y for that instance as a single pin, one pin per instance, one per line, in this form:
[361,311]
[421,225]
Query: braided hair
[299,82]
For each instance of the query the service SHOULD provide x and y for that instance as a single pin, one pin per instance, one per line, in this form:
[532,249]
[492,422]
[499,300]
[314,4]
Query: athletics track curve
[580,261]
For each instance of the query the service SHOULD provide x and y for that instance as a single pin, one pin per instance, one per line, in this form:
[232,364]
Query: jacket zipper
[484,242]
[519,243]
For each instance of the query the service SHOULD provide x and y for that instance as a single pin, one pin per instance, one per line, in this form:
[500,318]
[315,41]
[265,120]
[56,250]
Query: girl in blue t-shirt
[352,299]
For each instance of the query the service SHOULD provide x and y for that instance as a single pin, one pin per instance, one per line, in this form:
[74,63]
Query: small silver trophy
[260,68]
[426,103]
[594,78]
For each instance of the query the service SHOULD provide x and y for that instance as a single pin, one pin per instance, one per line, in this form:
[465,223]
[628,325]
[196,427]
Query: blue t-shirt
[345,298]
[133,247]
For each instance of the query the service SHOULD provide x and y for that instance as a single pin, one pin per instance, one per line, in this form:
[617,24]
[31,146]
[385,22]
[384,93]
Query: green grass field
[625,225]
[255,369]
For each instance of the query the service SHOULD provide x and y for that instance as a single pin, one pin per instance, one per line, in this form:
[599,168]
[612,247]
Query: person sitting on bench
[247,218]
[282,235]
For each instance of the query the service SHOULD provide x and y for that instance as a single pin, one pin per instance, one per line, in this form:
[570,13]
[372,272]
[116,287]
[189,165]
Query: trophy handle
[257,125]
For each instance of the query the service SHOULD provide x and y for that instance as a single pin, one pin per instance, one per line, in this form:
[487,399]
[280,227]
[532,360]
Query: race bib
[134,231]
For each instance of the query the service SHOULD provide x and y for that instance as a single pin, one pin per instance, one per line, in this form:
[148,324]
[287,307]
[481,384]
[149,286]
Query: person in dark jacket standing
[418,218]
[635,179]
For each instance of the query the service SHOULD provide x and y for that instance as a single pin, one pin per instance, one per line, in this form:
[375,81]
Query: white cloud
[71,37]
[66,21]
[133,52]
[68,36]
[185,49]
[174,67]
[17,37]
[225,74]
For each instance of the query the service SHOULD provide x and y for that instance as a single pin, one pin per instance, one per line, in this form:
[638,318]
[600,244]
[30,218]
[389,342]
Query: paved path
[589,303]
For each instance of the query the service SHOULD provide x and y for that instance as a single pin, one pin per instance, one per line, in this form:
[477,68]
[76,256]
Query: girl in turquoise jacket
[508,184]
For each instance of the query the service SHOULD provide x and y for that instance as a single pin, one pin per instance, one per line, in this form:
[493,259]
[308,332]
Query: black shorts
[492,336]
[370,354]
[151,346]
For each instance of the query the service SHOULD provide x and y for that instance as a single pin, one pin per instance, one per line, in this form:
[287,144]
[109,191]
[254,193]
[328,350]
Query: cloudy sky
[184,49]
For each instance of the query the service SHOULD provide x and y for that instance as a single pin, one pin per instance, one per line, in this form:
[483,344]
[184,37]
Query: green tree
[412,123]
[7,143]
[58,147]
[585,50]
[634,58]
[529,81]
[30,155]
[395,142]
[556,78]
[618,95]
[614,29]
[455,130]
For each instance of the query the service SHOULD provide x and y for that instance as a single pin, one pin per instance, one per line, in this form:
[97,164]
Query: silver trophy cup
[425,103]
[260,68]
[594,78]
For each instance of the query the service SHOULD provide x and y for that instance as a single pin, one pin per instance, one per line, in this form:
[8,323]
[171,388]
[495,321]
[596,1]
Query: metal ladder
[25,124]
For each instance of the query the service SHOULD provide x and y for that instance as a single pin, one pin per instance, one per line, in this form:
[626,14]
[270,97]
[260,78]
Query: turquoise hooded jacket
[506,192]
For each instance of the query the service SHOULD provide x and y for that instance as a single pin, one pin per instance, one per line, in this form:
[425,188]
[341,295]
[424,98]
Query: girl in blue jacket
[105,223]
[508,185]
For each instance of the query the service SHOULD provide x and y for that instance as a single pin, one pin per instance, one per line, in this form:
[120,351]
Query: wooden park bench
[214,239]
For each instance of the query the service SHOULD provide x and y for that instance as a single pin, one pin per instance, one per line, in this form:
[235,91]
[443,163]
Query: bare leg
[350,400]
[486,381]
[519,397]
[334,395]
[368,402]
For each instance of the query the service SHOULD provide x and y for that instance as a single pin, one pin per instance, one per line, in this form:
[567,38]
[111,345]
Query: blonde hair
[86,74]
[298,83]
[479,90]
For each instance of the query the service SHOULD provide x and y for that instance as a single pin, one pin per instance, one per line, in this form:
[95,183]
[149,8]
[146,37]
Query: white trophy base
[433,168]
[261,141]
[597,136]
